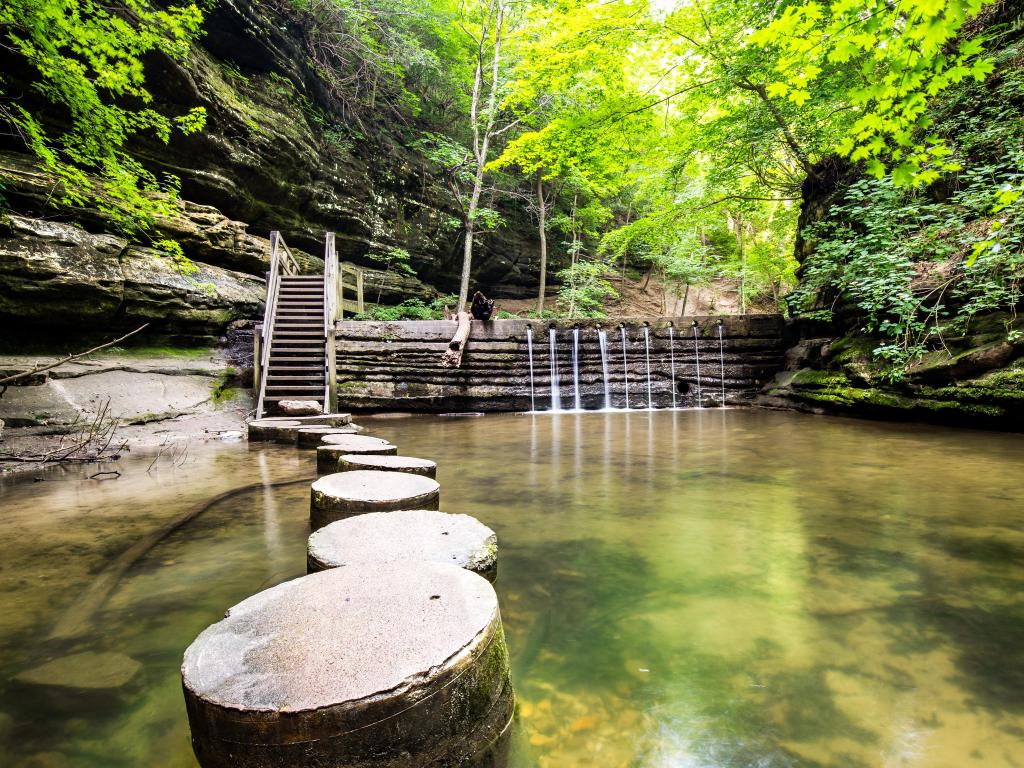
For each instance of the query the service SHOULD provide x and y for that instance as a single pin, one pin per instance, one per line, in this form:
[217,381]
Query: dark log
[453,356]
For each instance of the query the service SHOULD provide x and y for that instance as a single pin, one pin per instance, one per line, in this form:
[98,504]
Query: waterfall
[721,358]
[625,364]
[696,352]
[556,395]
[529,351]
[672,359]
[602,339]
[647,350]
[576,369]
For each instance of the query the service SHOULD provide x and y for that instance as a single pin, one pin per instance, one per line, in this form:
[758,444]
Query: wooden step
[278,398]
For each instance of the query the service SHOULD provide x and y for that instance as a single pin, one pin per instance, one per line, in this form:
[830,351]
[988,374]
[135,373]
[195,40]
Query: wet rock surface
[416,535]
[390,665]
[346,494]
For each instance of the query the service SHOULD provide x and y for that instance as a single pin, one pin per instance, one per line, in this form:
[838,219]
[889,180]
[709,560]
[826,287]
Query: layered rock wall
[397,366]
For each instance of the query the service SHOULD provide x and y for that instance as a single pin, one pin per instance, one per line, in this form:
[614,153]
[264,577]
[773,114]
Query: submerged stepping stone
[333,447]
[419,535]
[347,494]
[310,437]
[354,461]
[275,430]
[388,665]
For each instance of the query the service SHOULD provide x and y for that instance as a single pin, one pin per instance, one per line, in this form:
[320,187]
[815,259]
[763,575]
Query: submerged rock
[83,671]
[386,665]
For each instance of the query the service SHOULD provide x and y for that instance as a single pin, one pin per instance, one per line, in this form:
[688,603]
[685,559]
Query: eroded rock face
[275,156]
[60,276]
[976,381]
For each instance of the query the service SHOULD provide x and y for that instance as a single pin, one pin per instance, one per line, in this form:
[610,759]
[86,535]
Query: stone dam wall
[397,365]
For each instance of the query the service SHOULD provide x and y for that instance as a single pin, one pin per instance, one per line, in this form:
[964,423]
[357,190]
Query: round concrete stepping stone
[310,437]
[333,447]
[347,494]
[275,430]
[353,461]
[419,535]
[394,664]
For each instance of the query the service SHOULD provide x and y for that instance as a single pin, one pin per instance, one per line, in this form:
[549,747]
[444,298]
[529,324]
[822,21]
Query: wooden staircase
[296,368]
[295,359]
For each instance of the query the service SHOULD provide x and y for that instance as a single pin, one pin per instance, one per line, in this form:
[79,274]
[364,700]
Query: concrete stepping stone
[394,664]
[387,463]
[333,447]
[321,419]
[310,437]
[419,535]
[347,494]
[274,430]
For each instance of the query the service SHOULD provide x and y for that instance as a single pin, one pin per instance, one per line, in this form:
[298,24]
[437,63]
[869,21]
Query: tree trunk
[573,249]
[543,245]
[453,355]
[481,138]
[743,264]
[686,297]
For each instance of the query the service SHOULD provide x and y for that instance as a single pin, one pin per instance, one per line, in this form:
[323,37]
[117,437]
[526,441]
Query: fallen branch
[453,356]
[75,622]
[96,436]
[69,358]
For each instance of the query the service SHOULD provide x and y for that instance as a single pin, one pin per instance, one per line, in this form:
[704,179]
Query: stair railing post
[331,284]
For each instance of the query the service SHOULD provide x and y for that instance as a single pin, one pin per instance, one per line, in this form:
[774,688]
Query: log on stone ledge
[453,356]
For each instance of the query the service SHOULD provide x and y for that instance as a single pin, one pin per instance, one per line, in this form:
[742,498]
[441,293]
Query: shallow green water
[719,588]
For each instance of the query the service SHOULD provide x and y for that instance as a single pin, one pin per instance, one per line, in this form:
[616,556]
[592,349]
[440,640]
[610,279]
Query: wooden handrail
[332,303]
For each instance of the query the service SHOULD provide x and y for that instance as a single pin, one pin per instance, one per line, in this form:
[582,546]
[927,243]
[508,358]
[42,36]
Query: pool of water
[690,588]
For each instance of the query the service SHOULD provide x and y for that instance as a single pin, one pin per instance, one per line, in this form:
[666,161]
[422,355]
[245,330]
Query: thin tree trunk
[686,297]
[481,139]
[743,263]
[543,245]
[572,286]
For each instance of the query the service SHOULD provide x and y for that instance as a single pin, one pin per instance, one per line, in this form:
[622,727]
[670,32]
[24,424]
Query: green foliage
[388,56]
[897,56]
[410,309]
[915,265]
[87,59]
[585,288]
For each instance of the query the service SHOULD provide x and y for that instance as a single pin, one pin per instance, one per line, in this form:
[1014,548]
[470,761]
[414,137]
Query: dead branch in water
[75,622]
[40,368]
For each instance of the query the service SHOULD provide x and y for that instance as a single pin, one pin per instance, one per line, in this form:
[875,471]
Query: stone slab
[274,430]
[400,664]
[328,454]
[310,437]
[387,463]
[417,535]
[346,494]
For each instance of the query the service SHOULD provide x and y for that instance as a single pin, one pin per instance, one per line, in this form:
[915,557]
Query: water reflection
[687,588]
